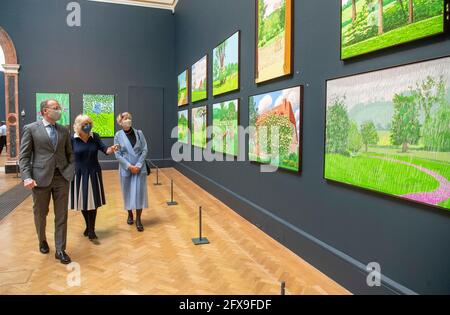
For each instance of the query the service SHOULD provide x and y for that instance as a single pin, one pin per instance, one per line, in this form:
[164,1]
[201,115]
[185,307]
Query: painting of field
[274,39]
[199,124]
[225,127]
[101,109]
[63,100]
[371,25]
[389,131]
[276,114]
[199,88]
[183,126]
[183,92]
[226,66]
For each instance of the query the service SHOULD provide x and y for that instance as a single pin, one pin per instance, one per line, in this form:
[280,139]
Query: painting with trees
[101,110]
[199,124]
[389,131]
[225,120]
[183,126]
[226,65]
[371,25]
[274,39]
[199,87]
[63,100]
[275,121]
[183,92]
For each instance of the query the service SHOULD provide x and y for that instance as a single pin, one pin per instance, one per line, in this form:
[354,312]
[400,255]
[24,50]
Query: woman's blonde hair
[79,122]
[122,117]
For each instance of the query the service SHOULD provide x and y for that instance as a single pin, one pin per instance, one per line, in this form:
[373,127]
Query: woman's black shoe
[86,233]
[139,227]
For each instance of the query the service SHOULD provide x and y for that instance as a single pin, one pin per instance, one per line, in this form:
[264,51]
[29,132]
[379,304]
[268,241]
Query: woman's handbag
[149,168]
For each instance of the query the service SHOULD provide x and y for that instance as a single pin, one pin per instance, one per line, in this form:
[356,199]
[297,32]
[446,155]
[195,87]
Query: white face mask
[55,114]
[127,124]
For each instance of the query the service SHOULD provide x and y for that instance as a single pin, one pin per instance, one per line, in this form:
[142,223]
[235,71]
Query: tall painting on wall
[389,131]
[199,125]
[226,76]
[183,91]
[371,25]
[273,39]
[100,108]
[63,100]
[225,120]
[199,87]
[183,126]
[276,114]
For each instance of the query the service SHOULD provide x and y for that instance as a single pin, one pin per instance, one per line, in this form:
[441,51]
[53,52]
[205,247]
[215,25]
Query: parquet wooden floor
[7,181]
[240,259]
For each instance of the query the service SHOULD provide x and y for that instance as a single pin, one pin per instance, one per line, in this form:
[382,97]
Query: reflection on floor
[7,181]
[162,260]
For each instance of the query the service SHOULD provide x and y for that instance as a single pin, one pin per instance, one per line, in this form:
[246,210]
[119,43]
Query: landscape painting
[183,126]
[183,92]
[281,110]
[274,39]
[199,88]
[199,124]
[225,127]
[101,110]
[226,66]
[63,100]
[371,25]
[389,131]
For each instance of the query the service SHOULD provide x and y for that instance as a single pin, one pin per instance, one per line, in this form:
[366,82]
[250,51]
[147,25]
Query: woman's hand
[134,170]
[112,149]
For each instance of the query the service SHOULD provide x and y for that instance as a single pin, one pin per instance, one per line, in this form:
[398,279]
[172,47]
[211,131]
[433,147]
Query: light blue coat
[134,186]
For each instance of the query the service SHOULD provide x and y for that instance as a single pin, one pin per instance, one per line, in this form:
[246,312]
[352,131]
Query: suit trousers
[59,191]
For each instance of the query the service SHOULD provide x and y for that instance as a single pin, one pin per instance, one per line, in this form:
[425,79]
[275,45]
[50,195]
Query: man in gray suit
[46,165]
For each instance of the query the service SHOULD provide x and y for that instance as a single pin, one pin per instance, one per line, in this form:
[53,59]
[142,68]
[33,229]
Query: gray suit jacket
[39,160]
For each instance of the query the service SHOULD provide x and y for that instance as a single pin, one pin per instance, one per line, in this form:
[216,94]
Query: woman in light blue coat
[131,155]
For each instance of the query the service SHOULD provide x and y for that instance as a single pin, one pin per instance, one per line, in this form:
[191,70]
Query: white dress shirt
[3,130]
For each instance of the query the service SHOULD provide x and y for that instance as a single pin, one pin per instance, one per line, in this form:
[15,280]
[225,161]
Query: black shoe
[130,220]
[63,257]
[43,247]
[86,233]
[139,226]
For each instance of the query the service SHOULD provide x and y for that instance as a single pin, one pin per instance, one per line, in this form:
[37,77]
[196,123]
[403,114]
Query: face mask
[55,114]
[87,128]
[127,123]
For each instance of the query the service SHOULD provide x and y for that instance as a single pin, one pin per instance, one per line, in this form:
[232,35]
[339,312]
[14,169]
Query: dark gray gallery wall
[117,46]
[338,229]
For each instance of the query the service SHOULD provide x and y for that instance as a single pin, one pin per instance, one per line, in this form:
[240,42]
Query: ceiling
[159,4]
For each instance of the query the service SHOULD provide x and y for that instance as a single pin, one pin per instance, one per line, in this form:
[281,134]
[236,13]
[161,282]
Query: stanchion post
[171,202]
[157,177]
[200,240]
[283,288]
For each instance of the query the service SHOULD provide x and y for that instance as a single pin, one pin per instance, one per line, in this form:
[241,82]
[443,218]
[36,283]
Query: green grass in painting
[445,204]
[231,84]
[287,163]
[198,96]
[101,110]
[400,35]
[103,124]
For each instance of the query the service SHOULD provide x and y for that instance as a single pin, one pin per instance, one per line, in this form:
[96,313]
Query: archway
[11,73]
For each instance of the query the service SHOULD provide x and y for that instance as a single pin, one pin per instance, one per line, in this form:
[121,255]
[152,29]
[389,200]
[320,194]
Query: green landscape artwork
[225,127]
[63,100]
[199,124]
[199,88]
[226,66]
[389,131]
[183,92]
[183,126]
[276,114]
[274,39]
[371,25]
[101,110]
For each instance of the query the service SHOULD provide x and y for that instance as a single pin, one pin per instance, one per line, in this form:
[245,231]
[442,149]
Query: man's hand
[29,184]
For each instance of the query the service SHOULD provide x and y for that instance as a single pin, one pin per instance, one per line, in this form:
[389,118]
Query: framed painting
[183,126]
[277,114]
[389,131]
[100,108]
[225,120]
[226,65]
[63,100]
[274,39]
[199,87]
[372,25]
[183,91]
[199,125]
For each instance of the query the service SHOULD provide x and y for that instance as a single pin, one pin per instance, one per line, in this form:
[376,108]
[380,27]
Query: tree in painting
[225,127]
[183,126]
[389,131]
[226,66]
[199,123]
[183,96]
[199,80]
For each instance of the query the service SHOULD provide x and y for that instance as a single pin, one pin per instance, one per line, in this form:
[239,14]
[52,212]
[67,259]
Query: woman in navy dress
[86,190]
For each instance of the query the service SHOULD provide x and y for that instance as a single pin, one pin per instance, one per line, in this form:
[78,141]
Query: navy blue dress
[86,189]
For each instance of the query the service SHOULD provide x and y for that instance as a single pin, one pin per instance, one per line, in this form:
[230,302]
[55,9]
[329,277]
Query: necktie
[53,138]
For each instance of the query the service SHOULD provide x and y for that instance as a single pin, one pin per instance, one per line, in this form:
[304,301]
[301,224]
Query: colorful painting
[389,131]
[199,124]
[274,39]
[183,126]
[226,66]
[63,100]
[371,25]
[276,114]
[225,127]
[101,110]
[199,88]
[183,92]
